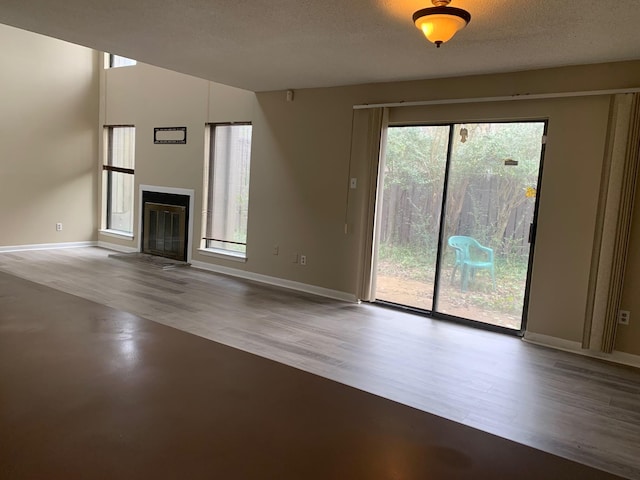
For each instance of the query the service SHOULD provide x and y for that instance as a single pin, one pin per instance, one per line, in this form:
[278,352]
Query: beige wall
[48,140]
[149,97]
[573,159]
[302,160]
[628,336]
[320,170]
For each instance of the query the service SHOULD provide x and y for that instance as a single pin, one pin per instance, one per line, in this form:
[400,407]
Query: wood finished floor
[572,406]
[89,388]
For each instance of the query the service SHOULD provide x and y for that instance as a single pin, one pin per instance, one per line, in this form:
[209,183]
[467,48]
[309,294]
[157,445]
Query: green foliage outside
[486,200]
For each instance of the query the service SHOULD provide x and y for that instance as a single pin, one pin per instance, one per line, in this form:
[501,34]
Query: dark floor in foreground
[87,391]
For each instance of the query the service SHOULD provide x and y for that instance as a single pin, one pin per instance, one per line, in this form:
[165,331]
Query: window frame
[206,246]
[108,167]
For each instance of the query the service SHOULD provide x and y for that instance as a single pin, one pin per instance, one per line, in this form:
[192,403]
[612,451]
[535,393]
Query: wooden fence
[491,208]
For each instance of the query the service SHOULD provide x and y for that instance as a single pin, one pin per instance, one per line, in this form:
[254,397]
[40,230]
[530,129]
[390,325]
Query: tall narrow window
[118,178]
[227,200]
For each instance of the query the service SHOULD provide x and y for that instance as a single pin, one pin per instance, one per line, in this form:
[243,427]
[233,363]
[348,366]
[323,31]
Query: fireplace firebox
[164,226]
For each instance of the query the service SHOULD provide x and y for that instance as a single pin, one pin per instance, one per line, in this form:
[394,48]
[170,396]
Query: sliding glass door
[409,227]
[457,214]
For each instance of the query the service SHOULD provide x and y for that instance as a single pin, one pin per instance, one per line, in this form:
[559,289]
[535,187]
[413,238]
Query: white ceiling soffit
[281,44]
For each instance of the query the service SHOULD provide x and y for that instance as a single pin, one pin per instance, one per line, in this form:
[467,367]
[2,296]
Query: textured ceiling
[281,44]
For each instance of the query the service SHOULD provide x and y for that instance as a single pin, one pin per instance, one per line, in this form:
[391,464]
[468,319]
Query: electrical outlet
[303,259]
[58,227]
[623,317]
[276,250]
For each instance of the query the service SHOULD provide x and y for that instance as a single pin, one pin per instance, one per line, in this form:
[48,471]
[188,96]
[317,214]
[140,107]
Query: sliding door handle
[532,230]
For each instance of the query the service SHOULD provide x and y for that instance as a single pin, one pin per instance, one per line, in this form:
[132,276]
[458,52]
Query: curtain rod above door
[506,98]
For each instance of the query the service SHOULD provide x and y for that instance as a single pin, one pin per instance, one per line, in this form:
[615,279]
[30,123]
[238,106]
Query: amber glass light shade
[440,24]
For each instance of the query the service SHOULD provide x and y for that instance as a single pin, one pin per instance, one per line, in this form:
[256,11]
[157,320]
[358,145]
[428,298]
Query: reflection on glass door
[468,258]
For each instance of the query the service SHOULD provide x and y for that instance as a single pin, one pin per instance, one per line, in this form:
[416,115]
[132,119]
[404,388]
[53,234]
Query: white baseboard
[278,282]
[46,246]
[116,248]
[576,347]
[553,342]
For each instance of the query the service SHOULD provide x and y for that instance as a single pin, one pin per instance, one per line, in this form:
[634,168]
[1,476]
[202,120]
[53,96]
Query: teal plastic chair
[471,256]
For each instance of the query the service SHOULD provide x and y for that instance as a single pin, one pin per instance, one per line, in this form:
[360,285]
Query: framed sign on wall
[170,135]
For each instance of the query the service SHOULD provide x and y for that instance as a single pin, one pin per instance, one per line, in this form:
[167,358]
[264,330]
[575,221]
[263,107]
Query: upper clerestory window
[114,61]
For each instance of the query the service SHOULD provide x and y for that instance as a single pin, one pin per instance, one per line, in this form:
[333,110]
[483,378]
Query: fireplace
[165,221]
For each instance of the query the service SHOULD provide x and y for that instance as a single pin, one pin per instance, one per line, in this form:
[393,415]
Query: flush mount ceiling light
[440,23]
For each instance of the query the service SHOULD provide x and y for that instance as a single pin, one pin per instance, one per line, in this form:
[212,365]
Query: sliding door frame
[434,313]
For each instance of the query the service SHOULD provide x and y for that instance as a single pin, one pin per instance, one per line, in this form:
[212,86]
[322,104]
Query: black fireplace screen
[164,230]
